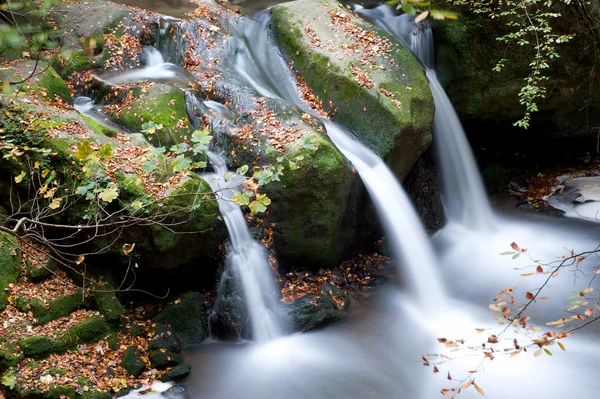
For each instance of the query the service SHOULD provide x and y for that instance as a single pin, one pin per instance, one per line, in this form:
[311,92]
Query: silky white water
[404,230]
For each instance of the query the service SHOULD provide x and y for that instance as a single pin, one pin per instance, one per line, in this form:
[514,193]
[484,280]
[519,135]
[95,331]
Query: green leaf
[408,8]
[228,176]
[515,256]
[508,253]
[260,204]
[547,352]
[181,163]
[201,138]
[9,380]
[308,143]
[108,194]
[179,148]
[242,170]
[148,166]
[84,150]
[240,198]
[55,203]
[271,151]
[105,151]
[263,177]
[159,150]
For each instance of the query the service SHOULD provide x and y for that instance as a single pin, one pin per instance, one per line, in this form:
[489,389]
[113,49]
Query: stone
[161,359]
[176,373]
[132,362]
[186,316]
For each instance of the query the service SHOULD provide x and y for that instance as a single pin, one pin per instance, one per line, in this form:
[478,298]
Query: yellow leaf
[55,203]
[79,259]
[127,248]
[45,172]
[421,16]
[478,388]
[537,352]
[19,178]
[561,346]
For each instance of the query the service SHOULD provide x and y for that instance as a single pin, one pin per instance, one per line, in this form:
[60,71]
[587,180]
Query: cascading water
[464,197]
[247,259]
[403,227]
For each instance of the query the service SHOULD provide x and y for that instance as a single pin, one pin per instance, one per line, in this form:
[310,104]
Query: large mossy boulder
[488,101]
[10,267]
[38,78]
[315,311]
[376,87]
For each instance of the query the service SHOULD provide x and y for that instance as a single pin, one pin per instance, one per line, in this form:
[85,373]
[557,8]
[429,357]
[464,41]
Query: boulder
[315,311]
[374,86]
[487,101]
[176,373]
[187,317]
[132,361]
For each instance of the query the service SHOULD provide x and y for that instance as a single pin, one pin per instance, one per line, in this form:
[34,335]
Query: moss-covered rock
[164,105]
[132,361]
[34,305]
[10,266]
[315,311]
[39,272]
[161,359]
[176,373]
[165,338]
[37,346]
[63,306]
[44,81]
[386,102]
[186,316]
[488,102]
[308,207]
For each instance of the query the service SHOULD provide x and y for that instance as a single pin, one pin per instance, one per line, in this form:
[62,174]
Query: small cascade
[403,227]
[464,197]
[85,106]
[155,69]
[247,259]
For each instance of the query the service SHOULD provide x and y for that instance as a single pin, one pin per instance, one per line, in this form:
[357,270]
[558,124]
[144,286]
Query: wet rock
[176,392]
[164,338]
[161,359]
[132,361]
[230,314]
[187,317]
[315,311]
[495,178]
[379,91]
[176,373]
[540,206]
[580,190]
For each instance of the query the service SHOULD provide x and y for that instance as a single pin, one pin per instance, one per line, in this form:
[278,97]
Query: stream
[452,276]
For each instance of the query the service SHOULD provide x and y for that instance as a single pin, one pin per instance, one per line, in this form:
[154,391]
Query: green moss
[162,359]
[62,391]
[55,86]
[99,129]
[108,304]
[39,273]
[309,204]
[162,105]
[69,62]
[176,373]
[10,355]
[54,371]
[34,305]
[37,346]
[132,361]
[63,307]
[372,117]
[186,318]
[10,266]
[90,330]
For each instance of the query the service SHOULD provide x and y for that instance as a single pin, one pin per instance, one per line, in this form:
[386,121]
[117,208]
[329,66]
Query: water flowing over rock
[365,80]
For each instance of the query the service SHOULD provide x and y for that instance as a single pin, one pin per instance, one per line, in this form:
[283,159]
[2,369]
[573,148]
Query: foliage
[19,31]
[528,25]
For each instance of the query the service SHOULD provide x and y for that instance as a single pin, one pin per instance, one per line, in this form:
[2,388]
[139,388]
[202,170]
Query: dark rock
[335,292]
[315,311]
[10,265]
[176,392]
[376,282]
[176,373]
[161,359]
[495,178]
[132,361]
[165,338]
[541,207]
[230,314]
[186,316]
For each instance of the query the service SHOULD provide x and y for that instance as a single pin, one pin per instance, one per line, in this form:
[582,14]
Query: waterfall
[247,259]
[464,197]
[404,230]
